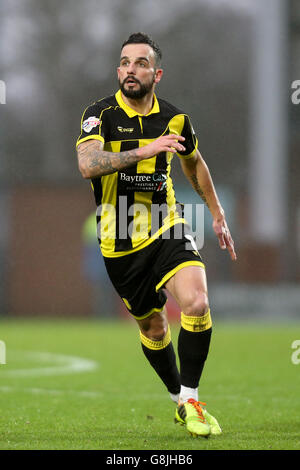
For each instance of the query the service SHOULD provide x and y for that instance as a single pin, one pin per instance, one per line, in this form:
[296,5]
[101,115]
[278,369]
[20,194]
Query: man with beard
[125,148]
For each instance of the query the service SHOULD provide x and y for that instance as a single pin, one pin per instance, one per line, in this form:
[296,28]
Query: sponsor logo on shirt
[143,181]
[125,129]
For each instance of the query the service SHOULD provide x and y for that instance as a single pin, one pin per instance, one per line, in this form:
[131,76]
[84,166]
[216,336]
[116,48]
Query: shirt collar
[131,112]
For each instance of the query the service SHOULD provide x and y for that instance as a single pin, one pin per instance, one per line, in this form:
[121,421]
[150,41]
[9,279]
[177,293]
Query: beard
[143,90]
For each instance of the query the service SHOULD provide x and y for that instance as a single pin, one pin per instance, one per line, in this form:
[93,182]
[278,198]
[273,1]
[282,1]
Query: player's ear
[158,75]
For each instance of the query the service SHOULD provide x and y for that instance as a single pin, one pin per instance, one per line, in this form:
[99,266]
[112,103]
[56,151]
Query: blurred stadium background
[230,64]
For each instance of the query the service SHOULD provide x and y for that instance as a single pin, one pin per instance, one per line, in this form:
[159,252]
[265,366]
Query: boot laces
[197,406]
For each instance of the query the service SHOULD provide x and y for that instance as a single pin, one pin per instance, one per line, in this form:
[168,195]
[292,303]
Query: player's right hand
[165,143]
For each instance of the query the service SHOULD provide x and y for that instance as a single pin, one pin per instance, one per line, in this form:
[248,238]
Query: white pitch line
[45,391]
[64,365]
[82,393]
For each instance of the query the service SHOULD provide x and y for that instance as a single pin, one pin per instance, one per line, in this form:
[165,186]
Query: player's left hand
[225,240]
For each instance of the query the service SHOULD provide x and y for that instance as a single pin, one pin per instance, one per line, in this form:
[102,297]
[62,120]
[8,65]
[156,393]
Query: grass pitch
[86,385]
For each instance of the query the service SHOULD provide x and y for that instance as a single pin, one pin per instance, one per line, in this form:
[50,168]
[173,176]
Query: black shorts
[140,276]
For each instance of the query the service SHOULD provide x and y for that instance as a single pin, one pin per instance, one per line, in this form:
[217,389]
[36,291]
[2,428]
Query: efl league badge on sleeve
[90,123]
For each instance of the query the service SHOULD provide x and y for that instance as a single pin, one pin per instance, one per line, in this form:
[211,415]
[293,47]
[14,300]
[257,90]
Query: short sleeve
[191,141]
[92,124]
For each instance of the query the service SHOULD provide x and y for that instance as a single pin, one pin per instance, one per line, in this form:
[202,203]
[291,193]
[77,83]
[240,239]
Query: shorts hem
[153,310]
[175,270]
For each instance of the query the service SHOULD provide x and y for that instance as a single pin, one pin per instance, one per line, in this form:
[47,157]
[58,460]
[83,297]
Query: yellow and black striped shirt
[126,199]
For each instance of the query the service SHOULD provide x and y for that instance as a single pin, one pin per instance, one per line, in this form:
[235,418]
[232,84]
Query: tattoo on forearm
[101,162]
[196,186]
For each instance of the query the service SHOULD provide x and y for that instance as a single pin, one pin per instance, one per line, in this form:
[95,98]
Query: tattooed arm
[94,162]
[198,174]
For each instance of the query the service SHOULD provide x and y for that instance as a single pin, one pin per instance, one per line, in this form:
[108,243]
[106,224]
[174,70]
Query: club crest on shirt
[90,123]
